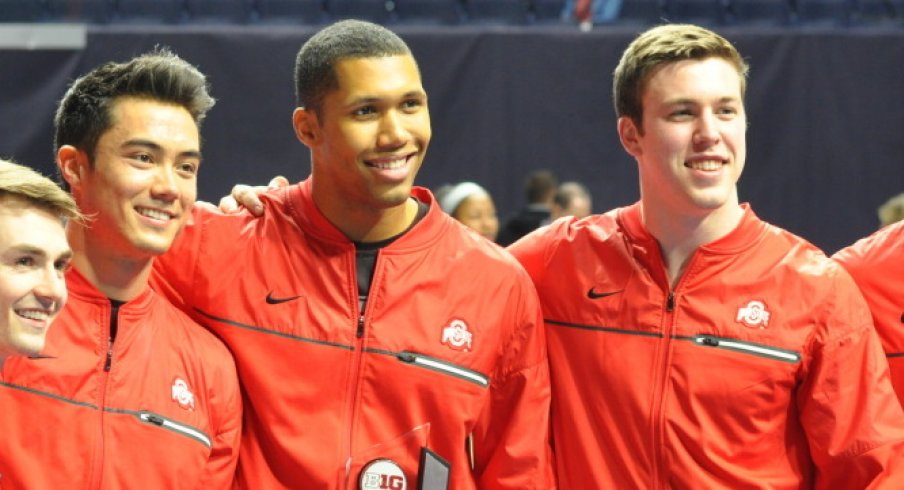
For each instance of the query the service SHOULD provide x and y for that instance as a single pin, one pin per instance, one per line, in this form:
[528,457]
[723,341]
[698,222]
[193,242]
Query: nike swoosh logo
[271,300]
[592,294]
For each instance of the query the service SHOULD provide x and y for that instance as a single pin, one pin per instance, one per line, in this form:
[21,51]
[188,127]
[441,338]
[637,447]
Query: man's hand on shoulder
[246,196]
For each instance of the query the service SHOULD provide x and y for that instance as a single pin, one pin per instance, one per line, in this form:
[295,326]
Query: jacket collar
[301,206]
[744,235]
[79,287]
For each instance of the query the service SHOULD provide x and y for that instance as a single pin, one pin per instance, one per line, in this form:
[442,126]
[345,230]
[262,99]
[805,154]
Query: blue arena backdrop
[825,144]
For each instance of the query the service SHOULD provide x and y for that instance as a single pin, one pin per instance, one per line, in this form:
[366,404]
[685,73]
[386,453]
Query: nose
[491,225]
[165,186]
[707,131]
[393,133]
[51,290]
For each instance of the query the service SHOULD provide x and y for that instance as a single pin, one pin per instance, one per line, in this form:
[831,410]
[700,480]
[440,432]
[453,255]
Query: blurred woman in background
[471,205]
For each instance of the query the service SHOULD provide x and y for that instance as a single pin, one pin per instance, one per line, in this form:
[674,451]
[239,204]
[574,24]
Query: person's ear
[307,127]
[629,134]
[73,164]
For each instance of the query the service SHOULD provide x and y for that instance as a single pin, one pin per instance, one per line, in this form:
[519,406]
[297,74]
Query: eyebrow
[157,148]
[373,100]
[685,101]
[35,250]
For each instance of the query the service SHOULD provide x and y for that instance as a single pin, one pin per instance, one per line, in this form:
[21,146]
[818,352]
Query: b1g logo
[182,394]
[382,474]
[457,336]
[753,315]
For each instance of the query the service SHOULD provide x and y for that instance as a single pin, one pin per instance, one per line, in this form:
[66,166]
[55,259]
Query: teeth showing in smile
[707,165]
[153,213]
[389,165]
[38,315]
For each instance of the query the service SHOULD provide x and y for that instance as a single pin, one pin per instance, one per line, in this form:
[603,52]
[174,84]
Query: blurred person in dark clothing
[540,189]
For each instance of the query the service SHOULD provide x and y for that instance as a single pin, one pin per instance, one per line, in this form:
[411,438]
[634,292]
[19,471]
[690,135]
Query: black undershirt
[114,317]
[366,257]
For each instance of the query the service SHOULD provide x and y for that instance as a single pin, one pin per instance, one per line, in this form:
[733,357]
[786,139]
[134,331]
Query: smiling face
[144,178]
[33,256]
[692,148]
[370,139]
[479,213]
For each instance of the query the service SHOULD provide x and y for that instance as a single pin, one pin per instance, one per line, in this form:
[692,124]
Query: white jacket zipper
[158,420]
[444,367]
[747,347]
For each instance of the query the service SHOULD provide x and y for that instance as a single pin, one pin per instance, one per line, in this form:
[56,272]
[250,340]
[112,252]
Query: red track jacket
[451,343]
[760,369]
[158,409]
[877,265]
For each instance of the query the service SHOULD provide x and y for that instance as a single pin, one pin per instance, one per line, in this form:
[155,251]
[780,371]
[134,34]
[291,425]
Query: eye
[365,111]
[412,104]
[681,112]
[727,111]
[25,261]
[62,265]
[142,159]
[187,168]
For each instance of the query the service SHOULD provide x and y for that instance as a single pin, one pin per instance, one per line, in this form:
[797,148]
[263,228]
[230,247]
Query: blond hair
[17,181]
[661,45]
[892,210]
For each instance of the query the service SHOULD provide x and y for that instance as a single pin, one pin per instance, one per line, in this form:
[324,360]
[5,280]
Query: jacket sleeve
[219,472]
[511,440]
[853,421]
[877,265]
[190,265]
[173,271]
[531,250]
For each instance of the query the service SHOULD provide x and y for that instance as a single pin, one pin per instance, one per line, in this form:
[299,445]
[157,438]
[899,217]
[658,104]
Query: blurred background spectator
[472,205]
[539,189]
[571,199]
[587,13]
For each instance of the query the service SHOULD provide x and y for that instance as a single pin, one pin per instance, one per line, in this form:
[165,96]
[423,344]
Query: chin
[711,200]
[31,346]
[154,248]
[396,197]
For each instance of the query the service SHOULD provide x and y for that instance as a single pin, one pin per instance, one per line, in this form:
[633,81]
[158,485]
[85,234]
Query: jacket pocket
[745,347]
[151,418]
[445,367]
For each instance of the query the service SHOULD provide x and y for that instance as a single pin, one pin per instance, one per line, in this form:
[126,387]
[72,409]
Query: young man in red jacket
[691,344]
[380,343]
[877,265]
[129,392]
[33,256]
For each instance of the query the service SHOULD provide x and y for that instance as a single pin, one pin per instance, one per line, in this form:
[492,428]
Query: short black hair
[314,66]
[84,113]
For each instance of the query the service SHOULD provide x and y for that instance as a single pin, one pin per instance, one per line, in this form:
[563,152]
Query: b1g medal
[382,474]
